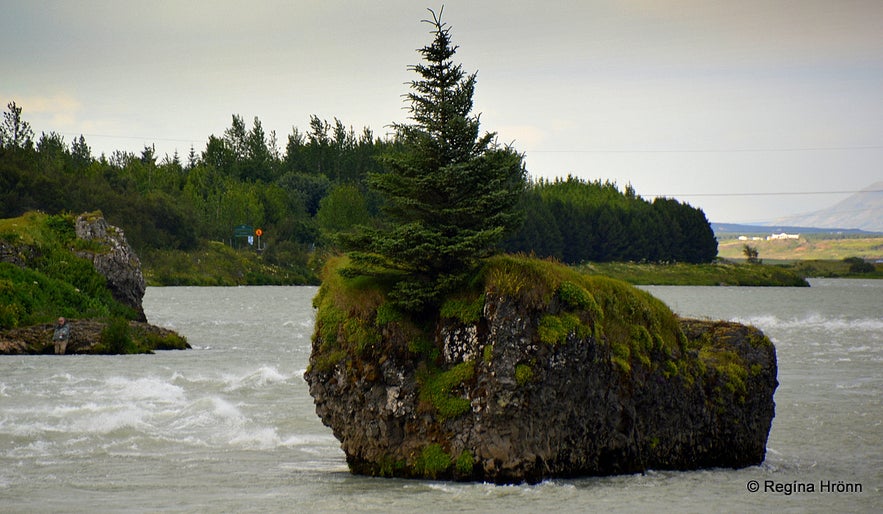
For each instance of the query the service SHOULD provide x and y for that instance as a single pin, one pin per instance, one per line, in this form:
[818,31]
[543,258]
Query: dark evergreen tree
[450,194]
[81,154]
[15,132]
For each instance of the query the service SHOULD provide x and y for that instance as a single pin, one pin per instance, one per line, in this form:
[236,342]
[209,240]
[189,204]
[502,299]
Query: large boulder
[114,259]
[537,373]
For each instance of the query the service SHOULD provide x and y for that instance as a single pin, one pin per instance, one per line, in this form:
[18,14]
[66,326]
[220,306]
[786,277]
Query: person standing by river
[61,336]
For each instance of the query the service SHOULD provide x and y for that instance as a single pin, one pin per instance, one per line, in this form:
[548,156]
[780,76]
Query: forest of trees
[302,195]
[578,221]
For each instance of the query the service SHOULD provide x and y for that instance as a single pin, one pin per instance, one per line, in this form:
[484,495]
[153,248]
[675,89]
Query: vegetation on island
[353,313]
[448,194]
[42,278]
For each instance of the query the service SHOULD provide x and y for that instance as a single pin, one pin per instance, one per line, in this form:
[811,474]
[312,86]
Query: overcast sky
[748,109]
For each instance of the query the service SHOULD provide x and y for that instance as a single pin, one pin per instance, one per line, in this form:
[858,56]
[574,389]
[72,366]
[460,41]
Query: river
[230,427]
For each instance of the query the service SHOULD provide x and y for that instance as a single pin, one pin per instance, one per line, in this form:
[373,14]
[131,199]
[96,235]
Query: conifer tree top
[449,193]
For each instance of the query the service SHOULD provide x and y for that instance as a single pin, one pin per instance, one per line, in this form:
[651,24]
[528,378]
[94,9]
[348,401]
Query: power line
[776,193]
[588,150]
[143,138]
[713,150]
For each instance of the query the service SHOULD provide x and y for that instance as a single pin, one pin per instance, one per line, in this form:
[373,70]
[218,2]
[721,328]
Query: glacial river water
[230,427]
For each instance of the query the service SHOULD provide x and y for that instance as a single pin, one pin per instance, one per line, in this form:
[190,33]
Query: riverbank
[715,274]
[216,264]
[79,268]
[93,337]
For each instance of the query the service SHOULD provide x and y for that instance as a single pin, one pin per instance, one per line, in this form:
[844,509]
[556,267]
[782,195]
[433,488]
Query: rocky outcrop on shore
[86,338]
[586,377]
[106,247]
[116,260]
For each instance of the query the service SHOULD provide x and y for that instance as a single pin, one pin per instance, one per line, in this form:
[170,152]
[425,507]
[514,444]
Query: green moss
[436,389]
[554,329]
[347,313]
[488,353]
[621,355]
[578,298]
[637,327]
[360,335]
[389,466]
[729,366]
[465,463]
[670,369]
[532,281]
[523,374]
[551,330]
[420,344]
[433,461]
[758,340]
[386,314]
[463,309]
[169,341]
[631,321]
[641,344]
[325,361]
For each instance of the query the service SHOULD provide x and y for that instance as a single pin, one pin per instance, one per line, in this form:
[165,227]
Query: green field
[807,248]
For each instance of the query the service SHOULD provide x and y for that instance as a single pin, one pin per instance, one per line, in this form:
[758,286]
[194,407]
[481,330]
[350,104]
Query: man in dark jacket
[61,335]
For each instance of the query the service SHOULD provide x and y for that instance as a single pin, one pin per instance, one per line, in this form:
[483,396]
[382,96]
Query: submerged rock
[541,373]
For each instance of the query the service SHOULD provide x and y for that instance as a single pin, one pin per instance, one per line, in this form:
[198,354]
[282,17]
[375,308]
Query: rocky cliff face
[586,377]
[117,262]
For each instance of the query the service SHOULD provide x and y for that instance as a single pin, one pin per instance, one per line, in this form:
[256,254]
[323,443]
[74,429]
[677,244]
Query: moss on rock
[540,372]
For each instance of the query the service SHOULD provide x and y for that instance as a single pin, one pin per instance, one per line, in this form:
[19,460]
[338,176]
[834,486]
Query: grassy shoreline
[227,267]
[715,274]
[215,264]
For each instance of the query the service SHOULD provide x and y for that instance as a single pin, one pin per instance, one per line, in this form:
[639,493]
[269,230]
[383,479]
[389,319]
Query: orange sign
[258,232]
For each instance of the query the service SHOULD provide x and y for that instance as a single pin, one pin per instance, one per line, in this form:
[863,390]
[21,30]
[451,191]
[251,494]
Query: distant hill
[862,210]
[736,229]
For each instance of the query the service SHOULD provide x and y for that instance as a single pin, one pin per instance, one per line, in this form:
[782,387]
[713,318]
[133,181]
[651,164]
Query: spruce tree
[449,193]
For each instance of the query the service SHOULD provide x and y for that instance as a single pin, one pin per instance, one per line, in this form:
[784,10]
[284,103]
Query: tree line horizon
[317,187]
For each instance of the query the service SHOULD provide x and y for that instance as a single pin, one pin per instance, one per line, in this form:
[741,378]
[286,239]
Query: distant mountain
[862,210]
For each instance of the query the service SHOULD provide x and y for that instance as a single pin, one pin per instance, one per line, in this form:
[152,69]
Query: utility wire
[714,150]
[776,193]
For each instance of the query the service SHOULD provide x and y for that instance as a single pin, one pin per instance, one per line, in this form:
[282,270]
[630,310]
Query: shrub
[859,265]
[465,463]
[116,337]
[433,461]
[465,310]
